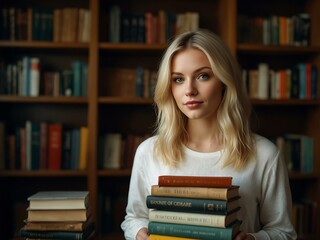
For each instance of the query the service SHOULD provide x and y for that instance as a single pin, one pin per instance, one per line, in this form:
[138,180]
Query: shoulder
[264,144]
[267,152]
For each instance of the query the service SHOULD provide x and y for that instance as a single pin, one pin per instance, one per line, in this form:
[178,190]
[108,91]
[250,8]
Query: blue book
[77,78]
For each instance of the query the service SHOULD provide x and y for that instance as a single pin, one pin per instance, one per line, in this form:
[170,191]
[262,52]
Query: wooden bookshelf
[135,115]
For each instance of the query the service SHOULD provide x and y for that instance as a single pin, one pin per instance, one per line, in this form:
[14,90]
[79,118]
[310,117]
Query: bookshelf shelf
[44,173]
[304,176]
[104,113]
[125,100]
[115,173]
[43,45]
[268,49]
[131,46]
[43,99]
[286,102]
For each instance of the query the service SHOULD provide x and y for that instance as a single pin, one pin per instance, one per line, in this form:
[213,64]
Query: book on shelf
[46,200]
[56,226]
[54,146]
[192,231]
[198,219]
[66,235]
[84,140]
[192,204]
[196,192]
[195,181]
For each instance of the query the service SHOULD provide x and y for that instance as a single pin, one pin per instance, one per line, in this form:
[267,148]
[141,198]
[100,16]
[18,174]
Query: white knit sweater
[264,188]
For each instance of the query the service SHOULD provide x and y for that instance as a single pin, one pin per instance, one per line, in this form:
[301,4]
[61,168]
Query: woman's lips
[192,104]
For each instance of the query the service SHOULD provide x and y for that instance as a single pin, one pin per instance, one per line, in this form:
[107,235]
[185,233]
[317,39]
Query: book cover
[198,219]
[57,215]
[196,192]
[59,234]
[59,200]
[195,181]
[191,231]
[192,205]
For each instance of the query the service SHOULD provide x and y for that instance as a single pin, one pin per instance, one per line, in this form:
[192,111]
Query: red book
[195,181]
[54,146]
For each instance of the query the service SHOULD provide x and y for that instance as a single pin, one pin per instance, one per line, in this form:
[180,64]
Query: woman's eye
[178,80]
[203,76]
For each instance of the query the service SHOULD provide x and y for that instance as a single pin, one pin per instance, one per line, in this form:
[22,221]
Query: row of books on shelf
[43,145]
[193,207]
[149,27]
[45,24]
[275,29]
[304,216]
[130,82]
[297,82]
[298,152]
[116,151]
[27,77]
[58,215]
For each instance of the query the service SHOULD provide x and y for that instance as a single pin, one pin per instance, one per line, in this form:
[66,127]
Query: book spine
[190,192]
[198,219]
[52,235]
[182,230]
[165,237]
[34,77]
[187,204]
[194,181]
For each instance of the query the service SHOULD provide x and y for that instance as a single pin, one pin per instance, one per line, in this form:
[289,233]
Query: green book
[192,204]
[191,231]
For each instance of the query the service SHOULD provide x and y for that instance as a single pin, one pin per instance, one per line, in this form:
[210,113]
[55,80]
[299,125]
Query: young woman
[203,129]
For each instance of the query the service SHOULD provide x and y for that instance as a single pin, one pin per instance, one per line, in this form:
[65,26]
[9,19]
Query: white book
[112,151]
[34,77]
[263,81]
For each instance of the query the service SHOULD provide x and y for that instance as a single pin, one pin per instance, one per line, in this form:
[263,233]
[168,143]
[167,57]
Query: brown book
[195,181]
[56,226]
[196,192]
[66,215]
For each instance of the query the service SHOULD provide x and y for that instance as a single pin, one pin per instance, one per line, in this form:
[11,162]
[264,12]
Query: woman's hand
[244,236]
[142,234]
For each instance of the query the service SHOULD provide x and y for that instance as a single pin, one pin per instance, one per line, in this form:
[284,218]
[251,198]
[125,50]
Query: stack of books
[58,215]
[193,207]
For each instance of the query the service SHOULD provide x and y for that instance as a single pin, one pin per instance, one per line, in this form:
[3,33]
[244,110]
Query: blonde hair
[233,113]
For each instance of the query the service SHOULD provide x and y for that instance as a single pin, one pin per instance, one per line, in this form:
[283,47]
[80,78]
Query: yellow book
[83,148]
[164,237]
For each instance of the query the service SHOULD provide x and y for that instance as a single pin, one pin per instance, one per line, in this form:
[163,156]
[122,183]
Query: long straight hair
[233,113]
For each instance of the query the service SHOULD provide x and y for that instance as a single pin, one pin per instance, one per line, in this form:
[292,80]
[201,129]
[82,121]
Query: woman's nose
[191,90]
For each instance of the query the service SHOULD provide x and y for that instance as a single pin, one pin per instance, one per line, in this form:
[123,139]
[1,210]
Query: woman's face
[195,89]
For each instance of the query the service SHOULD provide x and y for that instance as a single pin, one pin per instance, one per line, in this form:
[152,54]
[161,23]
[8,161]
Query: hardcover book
[196,192]
[195,181]
[59,234]
[55,215]
[199,219]
[56,226]
[192,205]
[164,237]
[191,231]
[47,200]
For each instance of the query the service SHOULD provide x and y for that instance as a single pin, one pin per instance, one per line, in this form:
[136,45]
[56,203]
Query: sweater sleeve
[136,210]
[276,203]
